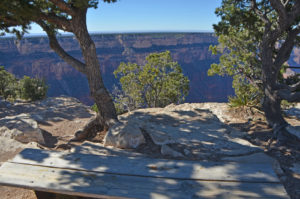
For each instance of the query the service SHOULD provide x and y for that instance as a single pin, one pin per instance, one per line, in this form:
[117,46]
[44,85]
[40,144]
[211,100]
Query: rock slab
[124,135]
[193,129]
[21,128]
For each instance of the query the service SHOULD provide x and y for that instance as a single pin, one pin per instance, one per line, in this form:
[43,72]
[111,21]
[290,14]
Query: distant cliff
[32,56]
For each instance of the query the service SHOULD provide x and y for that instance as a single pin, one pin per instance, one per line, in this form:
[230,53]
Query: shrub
[246,94]
[33,88]
[8,84]
[156,84]
[95,108]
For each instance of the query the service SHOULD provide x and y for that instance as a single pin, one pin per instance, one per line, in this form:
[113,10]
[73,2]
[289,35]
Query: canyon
[33,57]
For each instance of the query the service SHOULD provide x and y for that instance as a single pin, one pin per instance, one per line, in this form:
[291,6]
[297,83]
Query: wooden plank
[141,166]
[93,184]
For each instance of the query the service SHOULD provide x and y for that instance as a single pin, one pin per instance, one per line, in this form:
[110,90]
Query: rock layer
[33,57]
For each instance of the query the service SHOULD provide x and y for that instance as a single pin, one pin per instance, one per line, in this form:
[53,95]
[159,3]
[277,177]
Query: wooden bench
[99,176]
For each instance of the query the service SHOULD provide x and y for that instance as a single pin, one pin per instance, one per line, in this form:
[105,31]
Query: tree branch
[286,48]
[6,22]
[61,22]
[65,7]
[280,8]
[78,65]
[295,87]
[284,3]
[262,15]
[295,12]
[286,19]
[289,96]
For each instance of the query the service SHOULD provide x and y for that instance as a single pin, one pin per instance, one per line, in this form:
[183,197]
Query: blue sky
[151,16]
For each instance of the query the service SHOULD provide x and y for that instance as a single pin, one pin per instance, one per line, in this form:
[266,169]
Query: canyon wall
[32,56]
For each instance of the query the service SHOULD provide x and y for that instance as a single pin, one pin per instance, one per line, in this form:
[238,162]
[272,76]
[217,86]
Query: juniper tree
[16,16]
[256,39]
[157,83]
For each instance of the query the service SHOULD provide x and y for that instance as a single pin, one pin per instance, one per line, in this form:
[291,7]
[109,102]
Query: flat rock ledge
[26,121]
[191,130]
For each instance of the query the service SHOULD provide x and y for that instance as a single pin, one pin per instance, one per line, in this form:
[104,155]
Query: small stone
[186,152]
[294,130]
[57,119]
[79,135]
[238,134]
[168,151]
[37,118]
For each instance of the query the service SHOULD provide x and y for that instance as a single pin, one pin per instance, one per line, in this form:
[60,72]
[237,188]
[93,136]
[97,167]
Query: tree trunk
[272,103]
[272,109]
[107,112]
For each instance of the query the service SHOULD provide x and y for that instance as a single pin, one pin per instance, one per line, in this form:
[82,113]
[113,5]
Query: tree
[7,84]
[69,16]
[156,84]
[256,38]
[27,88]
[32,88]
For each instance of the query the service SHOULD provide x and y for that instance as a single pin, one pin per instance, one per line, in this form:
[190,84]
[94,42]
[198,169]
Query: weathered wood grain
[104,185]
[141,166]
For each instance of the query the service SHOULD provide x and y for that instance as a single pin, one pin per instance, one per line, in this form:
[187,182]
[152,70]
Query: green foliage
[26,88]
[286,105]
[246,94]
[33,88]
[95,108]
[243,32]
[16,16]
[239,59]
[8,84]
[239,34]
[156,84]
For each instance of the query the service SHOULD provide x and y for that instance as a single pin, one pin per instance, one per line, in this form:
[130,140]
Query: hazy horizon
[135,16]
[116,32]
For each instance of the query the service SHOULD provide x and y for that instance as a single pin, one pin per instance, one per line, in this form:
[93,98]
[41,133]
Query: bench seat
[100,176]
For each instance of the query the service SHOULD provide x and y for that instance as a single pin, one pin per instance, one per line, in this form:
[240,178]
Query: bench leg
[47,195]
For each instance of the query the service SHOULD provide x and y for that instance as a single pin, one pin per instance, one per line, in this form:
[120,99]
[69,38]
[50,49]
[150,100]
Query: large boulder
[21,128]
[126,135]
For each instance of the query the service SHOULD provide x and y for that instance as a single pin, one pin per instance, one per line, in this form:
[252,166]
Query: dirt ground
[57,136]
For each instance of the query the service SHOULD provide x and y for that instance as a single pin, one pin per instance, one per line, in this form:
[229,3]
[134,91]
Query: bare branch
[289,96]
[284,3]
[65,7]
[78,65]
[262,15]
[280,8]
[295,87]
[286,48]
[286,19]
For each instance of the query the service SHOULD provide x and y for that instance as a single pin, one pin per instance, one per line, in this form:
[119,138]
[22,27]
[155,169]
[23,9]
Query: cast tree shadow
[137,177]
[122,174]
[49,110]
